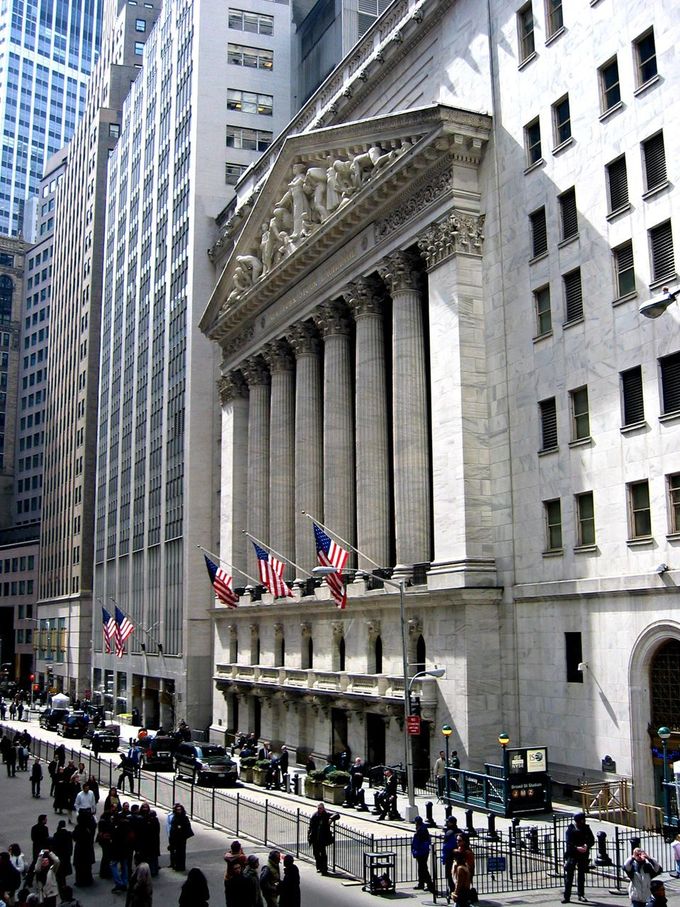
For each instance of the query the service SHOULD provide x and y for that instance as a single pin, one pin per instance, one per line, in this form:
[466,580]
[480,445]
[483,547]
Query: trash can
[379,872]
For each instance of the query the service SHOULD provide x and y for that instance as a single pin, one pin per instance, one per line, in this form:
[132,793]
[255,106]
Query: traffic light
[31,677]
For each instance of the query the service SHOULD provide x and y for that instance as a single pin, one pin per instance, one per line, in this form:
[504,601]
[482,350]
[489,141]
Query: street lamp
[657,305]
[664,734]
[411,810]
[504,740]
[447,731]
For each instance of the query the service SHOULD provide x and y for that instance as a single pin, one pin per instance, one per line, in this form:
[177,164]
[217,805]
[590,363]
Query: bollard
[361,801]
[514,833]
[375,809]
[448,811]
[491,832]
[429,821]
[603,858]
[532,839]
[469,823]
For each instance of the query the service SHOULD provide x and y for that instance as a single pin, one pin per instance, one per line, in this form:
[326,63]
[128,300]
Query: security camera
[582,665]
[658,304]
[661,569]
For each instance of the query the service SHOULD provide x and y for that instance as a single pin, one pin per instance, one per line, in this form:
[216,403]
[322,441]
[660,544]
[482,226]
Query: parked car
[50,718]
[158,753]
[205,763]
[74,724]
[102,739]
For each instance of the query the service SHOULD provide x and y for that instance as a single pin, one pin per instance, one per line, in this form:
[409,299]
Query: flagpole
[230,566]
[276,553]
[340,539]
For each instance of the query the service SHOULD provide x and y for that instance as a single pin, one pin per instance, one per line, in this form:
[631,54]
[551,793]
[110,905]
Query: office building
[428,315]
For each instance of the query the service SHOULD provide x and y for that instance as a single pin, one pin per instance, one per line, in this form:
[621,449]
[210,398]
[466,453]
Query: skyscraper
[47,52]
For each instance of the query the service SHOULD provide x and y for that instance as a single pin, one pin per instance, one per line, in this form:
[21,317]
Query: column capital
[338,628]
[279,356]
[373,627]
[278,631]
[459,232]
[306,628]
[364,297]
[255,371]
[233,631]
[332,318]
[304,339]
[400,271]
[231,386]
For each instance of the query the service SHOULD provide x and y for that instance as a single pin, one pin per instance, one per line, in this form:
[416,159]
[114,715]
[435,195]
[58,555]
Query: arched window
[664,676]
[377,648]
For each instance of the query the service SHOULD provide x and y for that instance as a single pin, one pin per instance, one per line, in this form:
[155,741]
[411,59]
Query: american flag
[124,628]
[222,582]
[330,554]
[108,629]
[271,573]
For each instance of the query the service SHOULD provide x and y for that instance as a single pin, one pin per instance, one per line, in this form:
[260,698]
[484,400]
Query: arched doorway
[664,683]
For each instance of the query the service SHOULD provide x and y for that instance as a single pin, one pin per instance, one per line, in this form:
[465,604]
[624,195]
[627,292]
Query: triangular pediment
[324,187]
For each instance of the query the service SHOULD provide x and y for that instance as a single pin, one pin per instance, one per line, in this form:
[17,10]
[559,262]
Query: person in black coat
[62,845]
[40,836]
[320,835]
[36,778]
[195,891]
[386,800]
[10,877]
[289,889]
[180,832]
[83,852]
[11,762]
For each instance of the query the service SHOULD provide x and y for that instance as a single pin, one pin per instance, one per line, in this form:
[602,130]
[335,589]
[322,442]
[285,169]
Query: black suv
[50,718]
[205,763]
[158,753]
[73,725]
[102,739]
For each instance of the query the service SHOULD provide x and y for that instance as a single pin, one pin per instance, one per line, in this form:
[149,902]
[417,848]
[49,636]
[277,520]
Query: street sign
[495,864]
[413,725]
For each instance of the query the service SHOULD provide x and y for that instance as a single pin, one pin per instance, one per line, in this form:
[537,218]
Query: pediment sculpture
[316,191]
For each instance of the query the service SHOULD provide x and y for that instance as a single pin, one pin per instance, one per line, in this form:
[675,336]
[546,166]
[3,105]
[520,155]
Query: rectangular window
[580,417]
[140,25]
[250,102]
[610,88]
[532,141]
[654,157]
[632,399]
[639,513]
[553,16]
[573,295]
[617,184]
[233,173]
[248,139]
[525,31]
[543,313]
[585,516]
[674,502]
[568,215]
[562,120]
[661,251]
[539,235]
[645,57]
[548,414]
[257,23]
[139,48]
[669,367]
[553,525]
[250,57]
[573,649]
[624,268]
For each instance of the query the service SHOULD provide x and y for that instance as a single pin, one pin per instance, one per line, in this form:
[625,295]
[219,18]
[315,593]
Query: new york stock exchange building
[383,372]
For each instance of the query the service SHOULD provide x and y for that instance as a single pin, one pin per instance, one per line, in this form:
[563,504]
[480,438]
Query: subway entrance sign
[529,787]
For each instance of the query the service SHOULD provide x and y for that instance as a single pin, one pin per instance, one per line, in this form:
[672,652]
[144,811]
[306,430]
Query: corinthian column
[304,339]
[233,504]
[332,319]
[372,439]
[412,503]
[257,378]
[279,357]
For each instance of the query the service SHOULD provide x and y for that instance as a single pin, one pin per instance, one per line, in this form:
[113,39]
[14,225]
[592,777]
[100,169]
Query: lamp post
[504,740]
[664,735]
[411,810]
[447,731]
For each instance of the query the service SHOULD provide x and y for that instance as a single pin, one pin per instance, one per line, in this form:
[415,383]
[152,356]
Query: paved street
[207,847]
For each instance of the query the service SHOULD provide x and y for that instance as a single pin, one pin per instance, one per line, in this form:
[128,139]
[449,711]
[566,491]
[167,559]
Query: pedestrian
[83,850]
[67,898]
[233,856]
[289,889]
[140,889]
[252,874]
[112,803]
[440,774]
[657,897]
[20,710]
[17,859]
[118,851]
[36,778]
[52,767]
[126,773]
[148,838]
[10,878]
[320,836]
[386,799]
[578,842]
[40,836]
[61,791]
[45,878]
[676,853]
[12,710]
[420,850]
[3,708]
[104,839]
[270,879]
[236,887]
[195,891]
[454,763]
[461,880]
[23,754]
[5,744]
[60,755]
[12,762]
[62,845]
[640,869]
[85,801]
[180,832]
[449,847]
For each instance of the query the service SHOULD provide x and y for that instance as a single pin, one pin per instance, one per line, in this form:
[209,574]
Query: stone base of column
[474,572]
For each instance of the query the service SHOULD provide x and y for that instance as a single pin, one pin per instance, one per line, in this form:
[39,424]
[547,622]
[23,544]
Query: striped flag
[271,573]
[222,583]
[330,554]
[124,628]
[108,629]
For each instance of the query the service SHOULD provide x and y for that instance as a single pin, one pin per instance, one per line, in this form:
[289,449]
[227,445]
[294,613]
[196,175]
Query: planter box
[260,776]
[334,794]
[246,774]
[313,789]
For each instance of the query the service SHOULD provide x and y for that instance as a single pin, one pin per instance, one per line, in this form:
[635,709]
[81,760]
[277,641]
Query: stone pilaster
[412,501]
[332,319]
[306,344]
[374,523]
[233,393]
[279,357]
[258,379]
